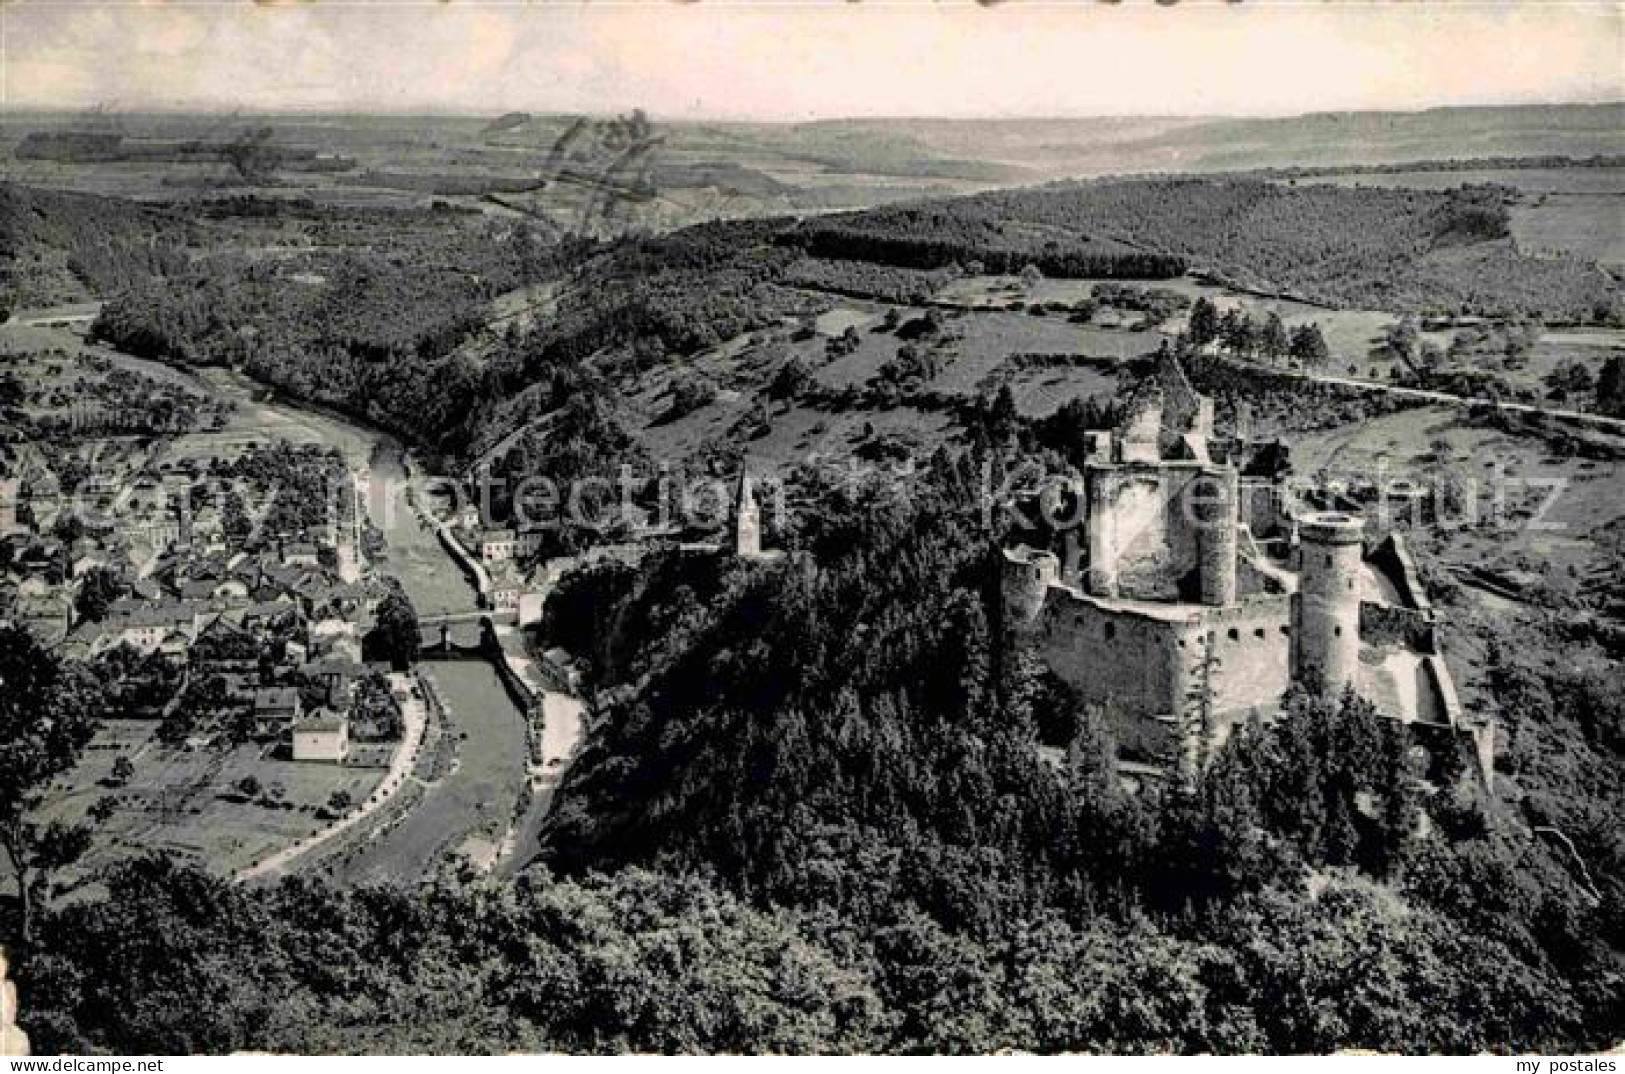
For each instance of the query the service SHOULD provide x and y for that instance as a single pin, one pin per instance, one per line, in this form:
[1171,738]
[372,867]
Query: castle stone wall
[1141,667]
[1253,645]
[1118,660]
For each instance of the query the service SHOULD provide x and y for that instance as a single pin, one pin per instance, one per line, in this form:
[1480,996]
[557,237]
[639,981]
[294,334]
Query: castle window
[1351,583]
[1259,633]
[1286,630]
[1328,559]
[1111,631]
[1234,634]
[1337,631]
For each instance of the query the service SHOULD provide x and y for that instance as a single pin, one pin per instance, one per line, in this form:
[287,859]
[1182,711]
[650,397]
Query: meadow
[187,800]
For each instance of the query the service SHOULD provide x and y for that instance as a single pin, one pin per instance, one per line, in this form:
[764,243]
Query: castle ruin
[1165,571]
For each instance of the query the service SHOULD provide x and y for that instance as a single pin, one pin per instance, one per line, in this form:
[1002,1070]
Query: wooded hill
[1403,250]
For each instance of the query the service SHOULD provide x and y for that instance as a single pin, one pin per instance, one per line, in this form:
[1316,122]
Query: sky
[806,59]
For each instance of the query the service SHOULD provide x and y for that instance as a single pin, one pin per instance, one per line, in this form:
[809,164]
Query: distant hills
[935,152]
[707,170]
[1084,147]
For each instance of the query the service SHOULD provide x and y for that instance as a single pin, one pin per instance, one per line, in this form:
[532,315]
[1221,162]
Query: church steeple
[747,520]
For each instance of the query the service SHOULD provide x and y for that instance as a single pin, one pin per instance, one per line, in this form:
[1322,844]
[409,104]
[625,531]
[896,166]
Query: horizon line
[171,109]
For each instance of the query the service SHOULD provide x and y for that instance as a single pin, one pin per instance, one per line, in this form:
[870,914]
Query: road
[1428,395]
[563,728]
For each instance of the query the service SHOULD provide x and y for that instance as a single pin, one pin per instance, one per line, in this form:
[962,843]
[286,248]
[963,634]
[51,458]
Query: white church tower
[747,520]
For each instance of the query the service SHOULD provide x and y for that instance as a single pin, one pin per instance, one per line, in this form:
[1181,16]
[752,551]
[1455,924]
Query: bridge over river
[436,620]
[448,635]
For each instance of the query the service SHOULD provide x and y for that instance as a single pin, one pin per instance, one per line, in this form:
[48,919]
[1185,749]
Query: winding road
[1598,421]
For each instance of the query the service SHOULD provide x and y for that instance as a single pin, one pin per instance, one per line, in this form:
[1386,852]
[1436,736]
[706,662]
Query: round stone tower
[1215,503]
[1328,604]
[1027,576]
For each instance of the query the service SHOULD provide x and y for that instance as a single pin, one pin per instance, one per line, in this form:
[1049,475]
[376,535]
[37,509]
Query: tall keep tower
[1328,603]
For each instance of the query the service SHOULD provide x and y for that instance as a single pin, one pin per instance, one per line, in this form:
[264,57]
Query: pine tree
[1196,725]
[1273,341]
[1204,323]
[1611,387]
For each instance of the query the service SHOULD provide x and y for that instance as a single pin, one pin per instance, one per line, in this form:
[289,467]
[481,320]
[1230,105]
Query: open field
[1600,180]
[1355,337]
[975,348]
[1588,225]
[1553,506]
[1351,334]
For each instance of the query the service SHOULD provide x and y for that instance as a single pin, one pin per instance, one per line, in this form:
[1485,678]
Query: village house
[9,498]
[498,546]
[47,616]
[334,637]
[147,627]
[276,709]
[337,676]
[506,588]
[300,554]
[322,736]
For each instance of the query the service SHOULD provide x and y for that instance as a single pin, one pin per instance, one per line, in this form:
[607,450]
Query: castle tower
[1328,602]
[747,520]
[1215,506]
[1026,576]
[1139,435]
[349,565]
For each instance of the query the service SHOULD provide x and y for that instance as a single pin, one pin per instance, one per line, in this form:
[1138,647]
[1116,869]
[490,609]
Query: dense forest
[406,340]
[790,728]
[945,235]
[61,247]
